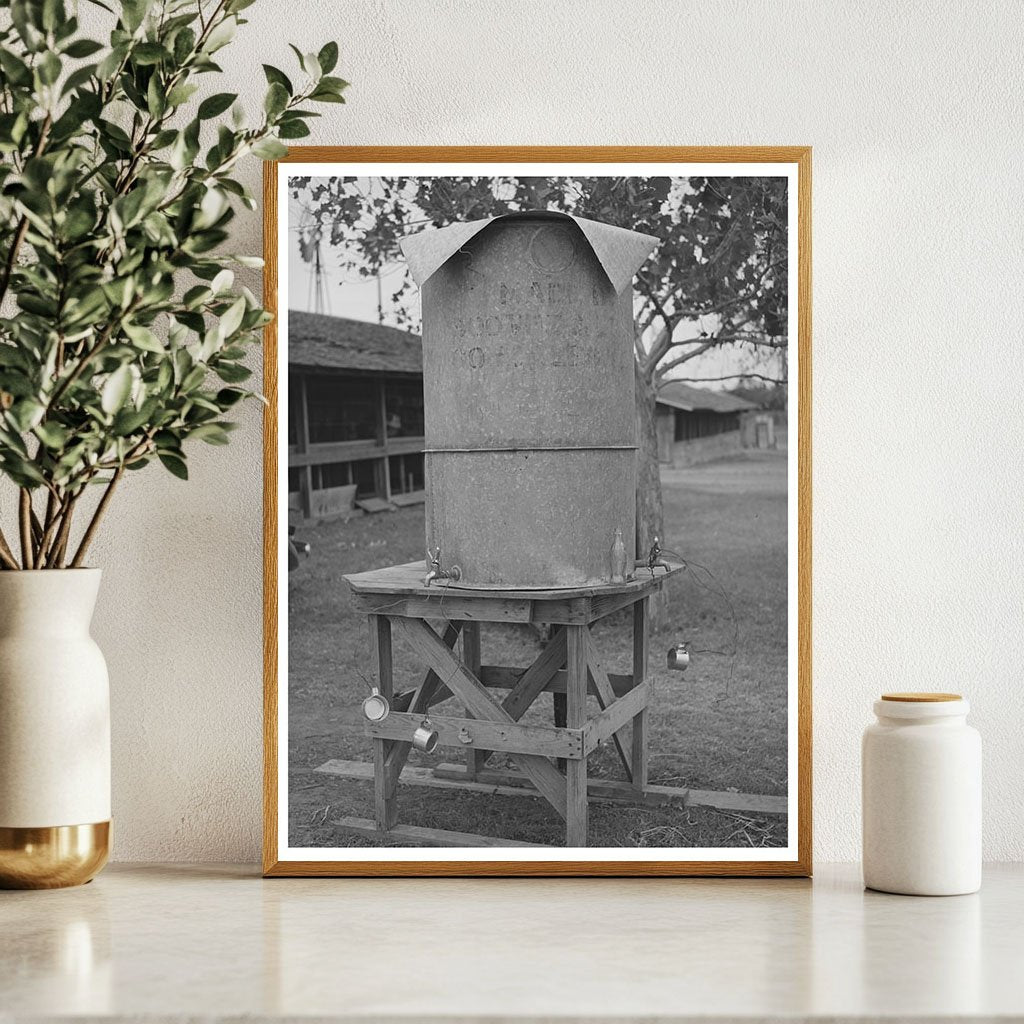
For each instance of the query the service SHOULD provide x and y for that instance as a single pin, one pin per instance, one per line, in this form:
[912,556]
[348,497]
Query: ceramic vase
[54,731]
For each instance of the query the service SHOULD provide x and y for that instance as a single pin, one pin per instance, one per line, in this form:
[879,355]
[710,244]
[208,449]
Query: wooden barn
[696,424]
[355,415]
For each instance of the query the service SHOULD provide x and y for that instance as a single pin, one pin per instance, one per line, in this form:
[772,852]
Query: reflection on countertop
[179,941]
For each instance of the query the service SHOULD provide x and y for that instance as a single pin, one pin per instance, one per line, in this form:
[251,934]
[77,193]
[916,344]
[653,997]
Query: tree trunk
[649,514]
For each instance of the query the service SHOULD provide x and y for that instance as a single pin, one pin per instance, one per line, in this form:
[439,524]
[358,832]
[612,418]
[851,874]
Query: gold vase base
[53,857]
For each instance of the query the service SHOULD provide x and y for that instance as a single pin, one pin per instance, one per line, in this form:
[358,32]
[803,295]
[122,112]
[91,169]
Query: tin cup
[376,707]
[425,738]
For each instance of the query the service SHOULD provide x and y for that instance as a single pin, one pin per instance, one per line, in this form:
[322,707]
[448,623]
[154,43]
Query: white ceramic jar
[921,777]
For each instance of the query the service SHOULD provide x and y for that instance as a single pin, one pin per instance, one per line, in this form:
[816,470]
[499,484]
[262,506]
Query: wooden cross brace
[473,694]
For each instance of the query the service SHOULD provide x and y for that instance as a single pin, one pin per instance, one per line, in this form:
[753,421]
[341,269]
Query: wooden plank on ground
[510,737]
[375,505]
[475,697]
[624,793]
[409,498]
[419,836]
[492,782]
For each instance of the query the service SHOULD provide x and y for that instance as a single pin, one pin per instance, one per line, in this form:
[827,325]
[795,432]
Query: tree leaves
[277,77]
[215,105]
[328,57]
[127,333]
[116,390]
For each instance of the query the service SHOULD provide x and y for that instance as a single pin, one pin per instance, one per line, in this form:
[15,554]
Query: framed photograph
[538,511]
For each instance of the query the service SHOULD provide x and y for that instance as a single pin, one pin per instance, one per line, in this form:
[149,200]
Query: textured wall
[913,110]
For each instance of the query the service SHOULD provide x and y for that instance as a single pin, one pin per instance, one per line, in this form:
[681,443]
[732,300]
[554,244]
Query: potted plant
[122,340]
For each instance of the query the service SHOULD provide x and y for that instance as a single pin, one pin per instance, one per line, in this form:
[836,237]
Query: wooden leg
[471,657]
[384,791]
[641,642]
[576,718]
[559,707]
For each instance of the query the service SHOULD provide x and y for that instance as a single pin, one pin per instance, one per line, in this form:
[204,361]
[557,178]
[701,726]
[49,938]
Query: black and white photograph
[538,508]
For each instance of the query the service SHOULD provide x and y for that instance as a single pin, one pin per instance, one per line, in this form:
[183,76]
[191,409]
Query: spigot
[437,572]
[654,559]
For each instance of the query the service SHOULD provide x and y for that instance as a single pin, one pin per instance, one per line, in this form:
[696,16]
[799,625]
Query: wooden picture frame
[277,862]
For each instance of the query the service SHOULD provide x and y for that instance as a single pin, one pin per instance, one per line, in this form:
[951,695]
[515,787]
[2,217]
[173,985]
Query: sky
[348,295]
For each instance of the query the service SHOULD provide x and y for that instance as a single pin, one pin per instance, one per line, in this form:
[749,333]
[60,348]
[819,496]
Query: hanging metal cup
[679,657]
[425,737]
[376,707]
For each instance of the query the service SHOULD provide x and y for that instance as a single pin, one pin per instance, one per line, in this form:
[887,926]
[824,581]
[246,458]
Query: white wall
[914,113]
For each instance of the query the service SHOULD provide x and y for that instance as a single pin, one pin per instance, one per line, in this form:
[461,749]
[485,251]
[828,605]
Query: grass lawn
[720,725]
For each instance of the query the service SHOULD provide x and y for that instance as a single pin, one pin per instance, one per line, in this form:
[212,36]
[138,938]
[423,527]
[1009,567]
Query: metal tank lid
[620,252]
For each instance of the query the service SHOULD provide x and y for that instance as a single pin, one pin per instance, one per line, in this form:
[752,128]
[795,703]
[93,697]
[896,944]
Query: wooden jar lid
[921,698]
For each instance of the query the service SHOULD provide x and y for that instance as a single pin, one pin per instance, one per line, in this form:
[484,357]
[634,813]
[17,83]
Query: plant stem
[94,523]
[60,543]
[6,555]
[25,522]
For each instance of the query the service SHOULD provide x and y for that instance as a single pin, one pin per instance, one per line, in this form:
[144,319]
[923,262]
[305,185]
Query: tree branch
[94,523]
[728,376]
[25,524]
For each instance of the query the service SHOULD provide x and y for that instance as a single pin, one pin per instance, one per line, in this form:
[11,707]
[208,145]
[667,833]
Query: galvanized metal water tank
[530,414]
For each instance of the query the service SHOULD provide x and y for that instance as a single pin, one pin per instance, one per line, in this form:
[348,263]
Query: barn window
[342,409]
[404,407]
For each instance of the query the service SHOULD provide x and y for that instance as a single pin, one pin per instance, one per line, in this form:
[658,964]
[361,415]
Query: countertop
[174,942]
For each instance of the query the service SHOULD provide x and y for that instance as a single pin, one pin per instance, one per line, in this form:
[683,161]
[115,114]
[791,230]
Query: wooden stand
[553,758]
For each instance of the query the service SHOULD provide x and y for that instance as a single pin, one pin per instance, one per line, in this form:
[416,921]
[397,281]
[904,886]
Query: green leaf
[216,104]
[26,414]
[78,78]
[116,390]
[211,433]
[149,53]
[175,465]
[222,281]
[144,338]
[276,99]
[327,96]
[328,57]
[232,319]
[16,70]
[232,373]
[53,435]
[269,149]
[49,68]
[83,48]
[338,85]
[221,35]
[181,94]
[275,76]
[293,130]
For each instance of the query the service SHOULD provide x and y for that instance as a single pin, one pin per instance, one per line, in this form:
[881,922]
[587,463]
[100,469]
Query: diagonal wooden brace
[536,677]
[473,694]
[605,698]
[423,697]
[533,681]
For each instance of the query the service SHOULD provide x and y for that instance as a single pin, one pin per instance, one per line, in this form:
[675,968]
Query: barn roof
[677,395]
[334,342]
